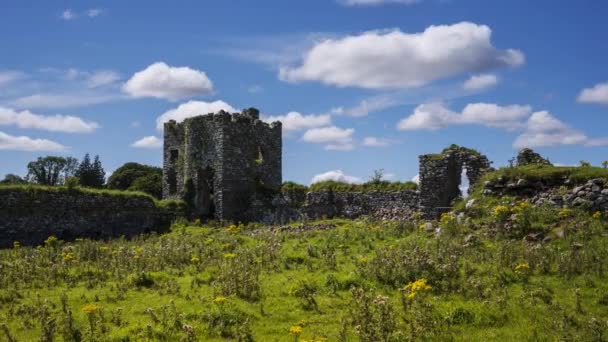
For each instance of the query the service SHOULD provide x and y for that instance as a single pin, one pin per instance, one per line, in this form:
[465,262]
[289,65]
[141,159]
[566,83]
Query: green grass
[364,187]
[148,288]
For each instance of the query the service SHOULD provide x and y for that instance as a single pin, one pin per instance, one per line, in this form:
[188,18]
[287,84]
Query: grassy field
[333,280]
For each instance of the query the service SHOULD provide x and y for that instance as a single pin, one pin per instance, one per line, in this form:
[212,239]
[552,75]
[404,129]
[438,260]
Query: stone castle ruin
[220,164]
[440,177]
[228,166]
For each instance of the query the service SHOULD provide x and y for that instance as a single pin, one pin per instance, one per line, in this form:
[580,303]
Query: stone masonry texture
[221,164]
[32,216]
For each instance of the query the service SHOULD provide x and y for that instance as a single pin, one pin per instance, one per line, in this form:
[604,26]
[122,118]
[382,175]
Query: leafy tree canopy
[139,177]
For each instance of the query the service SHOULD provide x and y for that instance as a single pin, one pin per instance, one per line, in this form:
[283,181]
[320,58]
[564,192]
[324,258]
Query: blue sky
[369,84]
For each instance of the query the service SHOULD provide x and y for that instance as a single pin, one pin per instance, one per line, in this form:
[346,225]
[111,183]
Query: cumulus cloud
[335,175]
[192,108]
[294,121]
[394,59]
[434,116]
[148,142]
[543,129]
[478,82]
[376,142]
[334,138]
[54,123]
[595,94]
[24,143]
[162,81]
[416,179]
[376,2]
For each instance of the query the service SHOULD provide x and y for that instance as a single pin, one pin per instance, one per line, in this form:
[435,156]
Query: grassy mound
[546,173]
[35,188]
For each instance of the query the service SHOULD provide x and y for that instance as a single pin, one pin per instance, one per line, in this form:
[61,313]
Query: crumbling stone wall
[440,176]
[32,216]
[355,204]
[221,163]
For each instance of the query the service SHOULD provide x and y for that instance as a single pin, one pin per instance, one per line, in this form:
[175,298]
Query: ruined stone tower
[440,176]
[221,163]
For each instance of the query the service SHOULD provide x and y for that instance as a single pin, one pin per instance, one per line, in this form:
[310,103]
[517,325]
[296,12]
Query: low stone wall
[31,215]
[384,205]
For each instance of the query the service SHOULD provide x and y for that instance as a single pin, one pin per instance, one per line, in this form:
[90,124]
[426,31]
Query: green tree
[71,166]
[46,171]
[90,174]
[139,177]
[151,183]
[12,179]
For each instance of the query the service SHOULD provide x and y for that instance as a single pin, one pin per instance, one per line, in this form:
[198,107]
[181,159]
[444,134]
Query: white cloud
[162,81]
[55,123]
[431,116]
[335,175]
[434,116]
[148,142]
[9,76]
[192,108]
[94,12]
[46,100]
[369,105]
[294,121]
[596,94]
[68,14]
[23,143]
[333,137]
[416,179]
[493,115]
[543,129]
[478,82]
[101,78]
[376,2]
[394,59]
[376,142]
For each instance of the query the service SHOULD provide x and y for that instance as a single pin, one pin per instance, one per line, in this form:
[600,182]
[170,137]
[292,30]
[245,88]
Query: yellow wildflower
[195,260]
[447,218]
[220,300]
[104,249]
[90,308]
[233,229]
[597,215]
[564,213]
[416,287]
[68,256]
[295,330]
[501,211]
[522,268]
[521,206]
